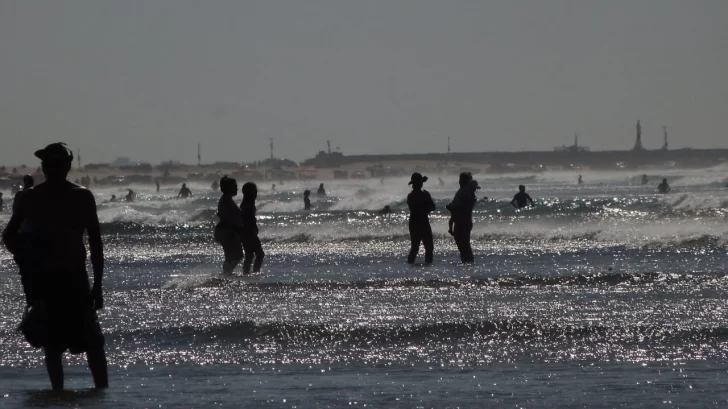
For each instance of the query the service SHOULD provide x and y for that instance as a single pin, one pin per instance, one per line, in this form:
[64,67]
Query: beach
[605,294]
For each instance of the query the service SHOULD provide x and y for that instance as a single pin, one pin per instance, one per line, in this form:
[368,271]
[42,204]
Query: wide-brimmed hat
[417,178]
[55,152]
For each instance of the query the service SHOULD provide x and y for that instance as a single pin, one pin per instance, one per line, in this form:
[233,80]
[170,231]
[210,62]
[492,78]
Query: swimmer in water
[321,192]
[663,187]
[521,199]
[184,192]
[306,200]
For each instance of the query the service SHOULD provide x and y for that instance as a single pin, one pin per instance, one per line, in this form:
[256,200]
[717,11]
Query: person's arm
[96,247]
[431,203]
[528,197]
[514,202]
[10,233]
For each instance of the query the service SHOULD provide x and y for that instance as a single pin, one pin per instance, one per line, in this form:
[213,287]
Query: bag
[33,325]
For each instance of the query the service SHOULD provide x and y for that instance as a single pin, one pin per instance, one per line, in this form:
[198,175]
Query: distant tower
[638,143]
[199,155]
[664,132]
[271,147]
[448,144]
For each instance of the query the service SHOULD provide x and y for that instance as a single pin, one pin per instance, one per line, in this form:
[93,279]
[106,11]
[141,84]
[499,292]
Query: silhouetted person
[113,198]
[251,243]
[307,200]
[521,199]
[2,202]
[461,209]
[214,185]
[440,181]
[28,183]
[273,188]
[387,210]
[47,232]
[129,196]
[156,182]
[229,231]
[321,191]
[663,187]
[420,206]
[644,179]
[184,192]
[580,181]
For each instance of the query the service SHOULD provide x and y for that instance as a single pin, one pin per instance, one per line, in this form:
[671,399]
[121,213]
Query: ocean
[604,295]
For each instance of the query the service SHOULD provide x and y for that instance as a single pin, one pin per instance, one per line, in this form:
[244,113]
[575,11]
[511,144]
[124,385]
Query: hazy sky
[151,79]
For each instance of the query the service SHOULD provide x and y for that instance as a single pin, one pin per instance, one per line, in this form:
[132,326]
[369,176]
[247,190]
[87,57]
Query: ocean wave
[606,279]
[367,336]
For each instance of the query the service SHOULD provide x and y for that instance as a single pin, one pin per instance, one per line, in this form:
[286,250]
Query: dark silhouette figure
[440,181]
[645,180]
[461,209]
[251,243]
[2,202]
[306,200]
[156,182]
[321,192]
[420,205]
[663,187]
[580,181]
[47,233]
[273,188]
[229,231]
[521,199]
[386,210]
[113,198]
[184,192]
[214,185]
[129,196]
[28,182]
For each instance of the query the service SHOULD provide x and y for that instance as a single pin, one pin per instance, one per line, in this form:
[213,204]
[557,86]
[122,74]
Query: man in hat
[54,217]
[420,204]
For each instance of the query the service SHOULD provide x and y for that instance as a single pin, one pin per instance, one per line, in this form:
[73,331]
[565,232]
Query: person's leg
[469,257]
[415,239]
[459,243]
[429,245]
[259,254]
[97,364]
[54,366]
[249,255]
[231,258]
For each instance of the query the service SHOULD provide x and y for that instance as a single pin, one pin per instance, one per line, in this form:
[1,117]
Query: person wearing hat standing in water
[461,209]
[230,229]
[55,216]
[420,204]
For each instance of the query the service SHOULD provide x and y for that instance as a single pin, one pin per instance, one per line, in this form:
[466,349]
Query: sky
[152,79]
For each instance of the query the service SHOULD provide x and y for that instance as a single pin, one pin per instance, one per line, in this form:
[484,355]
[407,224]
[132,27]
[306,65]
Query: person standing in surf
[461,209]
[521,199]
[251,243]
[229,230]
[47,230]
[420,205]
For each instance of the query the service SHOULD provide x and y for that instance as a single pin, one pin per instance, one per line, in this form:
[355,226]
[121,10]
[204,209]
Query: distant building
[572,148]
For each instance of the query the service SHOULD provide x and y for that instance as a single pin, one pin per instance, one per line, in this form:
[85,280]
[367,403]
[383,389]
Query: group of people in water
[46,231]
